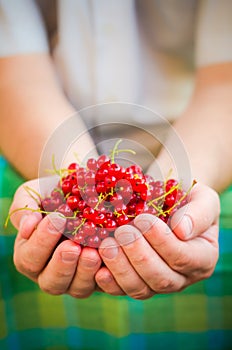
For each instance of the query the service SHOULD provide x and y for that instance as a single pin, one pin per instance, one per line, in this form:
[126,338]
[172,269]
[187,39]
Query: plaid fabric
[198,318]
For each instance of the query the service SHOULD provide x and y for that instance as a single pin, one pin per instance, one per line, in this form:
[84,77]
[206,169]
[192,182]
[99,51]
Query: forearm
[32,107]
[205,128]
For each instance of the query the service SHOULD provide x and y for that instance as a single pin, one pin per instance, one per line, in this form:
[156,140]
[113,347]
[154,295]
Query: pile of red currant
[98,198]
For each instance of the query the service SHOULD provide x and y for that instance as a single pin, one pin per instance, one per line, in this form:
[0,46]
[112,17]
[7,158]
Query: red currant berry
[66,186]
[100,187]
[65,210]
[93,241]
[82,205]
[92,201]
[146,195]
[99,218]
[124,188]
[89,213]
[102,233]
[92,164]
[140,207]
[72,178]
[116,199]
[110,181]
[157,192]
[136,169]
[149,179]
[79,238]
[57,194]
[170,200]
[138,184]
[72,224]
[121,208]
[47,205]
[102,159]
[122,220]
[110,224]
[101,174]
[115,170]
[90,177]
[72,202]
[128,175]
[88,192]
[76,191]
[73,166]
[89,228]
[170,183]
[81,178]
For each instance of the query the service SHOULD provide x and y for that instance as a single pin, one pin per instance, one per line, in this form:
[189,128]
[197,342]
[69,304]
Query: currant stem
[165,194]
[102,197]
[24,208]
[56,171]
[112,156]
[31,191]
[78,227]
[181,199]
[116,151]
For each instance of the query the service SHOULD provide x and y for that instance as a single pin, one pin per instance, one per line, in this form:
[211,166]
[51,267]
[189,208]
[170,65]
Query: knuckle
[81,293]
[50,286]
[51,290]
[122,273]
[203,272]
[140,260]
[23,266]
[41,244]
[183,262]
[142,294]
[63,274]
[165,285]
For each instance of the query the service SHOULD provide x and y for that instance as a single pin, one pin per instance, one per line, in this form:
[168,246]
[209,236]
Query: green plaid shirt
[198,318]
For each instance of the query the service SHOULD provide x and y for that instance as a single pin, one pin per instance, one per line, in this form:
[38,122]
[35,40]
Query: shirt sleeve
[21,28]
[214,32]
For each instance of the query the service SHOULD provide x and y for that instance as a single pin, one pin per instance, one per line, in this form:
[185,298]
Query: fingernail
[109,248]
[144,222]
[186,225]
[56,223]
[69,257]
[126,235]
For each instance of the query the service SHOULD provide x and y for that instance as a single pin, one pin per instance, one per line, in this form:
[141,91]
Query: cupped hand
[152,257]
[40,252]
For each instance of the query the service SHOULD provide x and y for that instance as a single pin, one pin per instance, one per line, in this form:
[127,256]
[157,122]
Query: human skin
[33,105]
[174,256]
[204,129]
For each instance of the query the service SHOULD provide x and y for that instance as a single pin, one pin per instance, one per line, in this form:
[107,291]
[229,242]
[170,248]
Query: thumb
[26,196]
[198,215]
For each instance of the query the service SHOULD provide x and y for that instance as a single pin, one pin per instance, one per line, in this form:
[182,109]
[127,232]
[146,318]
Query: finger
[30,256]
[28,197]
[57,276]
[22,199]
[106,282]
[122,270]
[83,284]
[147,262]
[28,224]
[198,215]
[185,257]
